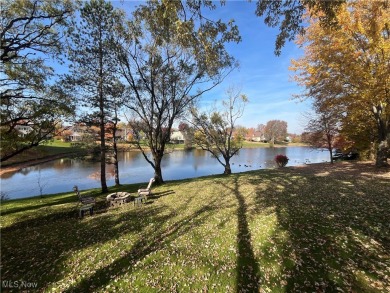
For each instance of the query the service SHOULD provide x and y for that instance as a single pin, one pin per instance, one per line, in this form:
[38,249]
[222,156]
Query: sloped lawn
[288,230]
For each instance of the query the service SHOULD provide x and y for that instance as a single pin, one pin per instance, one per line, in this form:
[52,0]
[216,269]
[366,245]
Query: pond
[62,174]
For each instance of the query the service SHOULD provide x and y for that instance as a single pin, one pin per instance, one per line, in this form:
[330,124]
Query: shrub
[281,160]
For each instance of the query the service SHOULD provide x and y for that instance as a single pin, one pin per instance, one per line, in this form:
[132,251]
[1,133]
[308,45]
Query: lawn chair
[143,193]
[86,202]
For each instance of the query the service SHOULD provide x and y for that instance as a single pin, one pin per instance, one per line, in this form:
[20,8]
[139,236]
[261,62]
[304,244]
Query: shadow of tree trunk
[146,245]
[248,273]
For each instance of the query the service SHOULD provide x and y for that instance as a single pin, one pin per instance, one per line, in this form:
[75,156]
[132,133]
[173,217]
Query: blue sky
[262,76]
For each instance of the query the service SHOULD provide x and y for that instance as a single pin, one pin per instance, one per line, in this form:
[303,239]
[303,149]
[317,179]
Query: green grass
[51,148]
[267,231]
[254,144]
[59,143]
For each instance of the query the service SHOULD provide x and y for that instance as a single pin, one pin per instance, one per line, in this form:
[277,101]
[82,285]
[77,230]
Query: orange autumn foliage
[348,68]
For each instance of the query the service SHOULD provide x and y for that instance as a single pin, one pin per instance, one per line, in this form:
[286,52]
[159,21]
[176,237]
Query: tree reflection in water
[63,174]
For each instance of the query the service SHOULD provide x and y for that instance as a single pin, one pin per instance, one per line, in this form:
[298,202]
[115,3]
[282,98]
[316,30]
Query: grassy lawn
[284,230]
[51,148]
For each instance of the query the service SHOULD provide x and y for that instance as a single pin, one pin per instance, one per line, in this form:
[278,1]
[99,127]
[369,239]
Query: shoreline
[18,166]
[340,170]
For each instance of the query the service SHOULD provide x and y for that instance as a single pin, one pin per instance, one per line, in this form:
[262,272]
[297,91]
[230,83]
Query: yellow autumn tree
[349,67]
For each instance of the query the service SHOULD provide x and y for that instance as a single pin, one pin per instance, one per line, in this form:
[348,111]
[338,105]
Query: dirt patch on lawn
[343,169]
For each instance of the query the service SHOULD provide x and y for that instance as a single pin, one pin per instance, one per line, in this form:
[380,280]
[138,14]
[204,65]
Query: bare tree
[323,129]
[188,133]
[275,130]
[216,131]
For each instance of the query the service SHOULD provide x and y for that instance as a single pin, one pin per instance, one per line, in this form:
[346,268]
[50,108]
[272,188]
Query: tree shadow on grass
[38,252]
[23,208]
[157,195]
[47,215]
[248,273]
[147,244]
[41,248]
[338,233]
[23,205]
[37,213]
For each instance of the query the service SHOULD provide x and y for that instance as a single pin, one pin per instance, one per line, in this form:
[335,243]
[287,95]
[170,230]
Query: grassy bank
[285,230]
[50,149]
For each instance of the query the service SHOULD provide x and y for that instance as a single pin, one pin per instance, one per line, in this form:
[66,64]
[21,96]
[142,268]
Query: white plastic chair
[145,192]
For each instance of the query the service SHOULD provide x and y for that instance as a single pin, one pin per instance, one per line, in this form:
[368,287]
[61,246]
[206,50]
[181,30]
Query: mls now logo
[18,284]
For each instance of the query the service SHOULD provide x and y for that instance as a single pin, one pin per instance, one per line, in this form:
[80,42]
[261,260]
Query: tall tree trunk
[103,163]
[272,142]
[382,150]
[330,155]
[372,151]
[102,122]
[228,169]
[330,149]
[103,157]
[157,170]
[115,148]
[382,153]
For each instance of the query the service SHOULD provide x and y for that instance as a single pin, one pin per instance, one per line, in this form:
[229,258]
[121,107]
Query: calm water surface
[62,174]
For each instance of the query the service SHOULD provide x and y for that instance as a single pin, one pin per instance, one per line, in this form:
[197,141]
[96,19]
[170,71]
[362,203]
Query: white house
[76,136]
[26,128]
[258,136]
[77,131]
[177,137]
[23,130]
